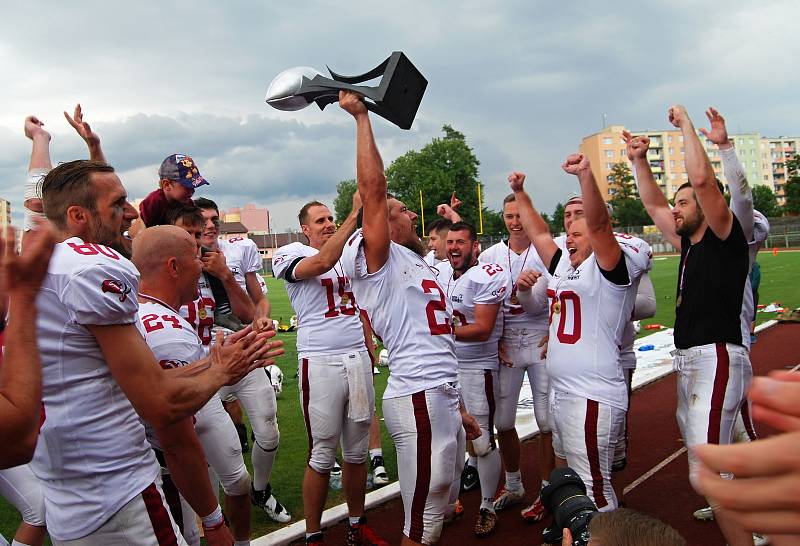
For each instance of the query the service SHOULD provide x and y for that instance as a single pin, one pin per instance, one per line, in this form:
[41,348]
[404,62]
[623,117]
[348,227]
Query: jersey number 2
[436,328]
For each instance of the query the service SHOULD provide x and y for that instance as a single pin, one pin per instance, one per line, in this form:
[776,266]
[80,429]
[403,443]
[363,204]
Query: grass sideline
[777,284]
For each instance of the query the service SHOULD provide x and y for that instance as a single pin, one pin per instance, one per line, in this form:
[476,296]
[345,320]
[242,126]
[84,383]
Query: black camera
[565,498]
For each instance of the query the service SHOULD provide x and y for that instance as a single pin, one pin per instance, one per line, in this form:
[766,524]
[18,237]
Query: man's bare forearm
[20,382]
[594,207]
[698,166]
[241,303]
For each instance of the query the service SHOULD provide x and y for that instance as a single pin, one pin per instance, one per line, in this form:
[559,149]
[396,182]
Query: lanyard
[679,301]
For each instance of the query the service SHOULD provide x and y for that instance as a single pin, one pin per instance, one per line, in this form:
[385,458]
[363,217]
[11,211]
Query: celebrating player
[406,307]
[591,299]
[713,366]
[336,392]
[93,446]
[524,334]
[476,293]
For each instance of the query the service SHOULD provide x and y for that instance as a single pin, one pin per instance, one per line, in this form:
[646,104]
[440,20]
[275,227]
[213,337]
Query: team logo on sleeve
[113,286]
[168,364]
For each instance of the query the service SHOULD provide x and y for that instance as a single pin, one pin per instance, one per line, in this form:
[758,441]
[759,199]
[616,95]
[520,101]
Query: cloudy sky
[523,80]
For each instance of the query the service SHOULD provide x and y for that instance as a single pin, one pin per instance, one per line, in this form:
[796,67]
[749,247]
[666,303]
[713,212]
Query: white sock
[262,466]
[18,543]
[472,461]
[376,452]
[354,519]
[489,469]
[514,481]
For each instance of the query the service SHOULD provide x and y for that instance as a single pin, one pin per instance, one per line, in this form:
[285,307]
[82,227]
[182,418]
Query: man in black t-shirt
[713,367]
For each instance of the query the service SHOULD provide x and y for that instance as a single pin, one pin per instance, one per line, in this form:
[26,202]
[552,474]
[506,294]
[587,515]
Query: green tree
[557,221]
[492,223]
[628,208]
[792,188]
[441,167]
[344,199]
[764,201]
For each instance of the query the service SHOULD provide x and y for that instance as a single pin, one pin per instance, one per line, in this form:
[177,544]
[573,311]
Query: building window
[672,176]
[766,177]
[669,138]
[609,166]
[680,138]
[607,141]
[609,153]
[753,163]
[623,153]
[683,152]
[683,164]
[672,163]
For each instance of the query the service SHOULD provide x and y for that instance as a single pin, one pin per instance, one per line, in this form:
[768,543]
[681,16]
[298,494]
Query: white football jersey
[431,259]
[587,316]
[408,310]
[92,456]
[627,355]
[200,313]
[513,263]
[328,320]
[174,341]
[481,284]
[242,257]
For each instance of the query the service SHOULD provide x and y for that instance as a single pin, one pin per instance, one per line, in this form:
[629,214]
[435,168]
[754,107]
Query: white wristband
[214,519]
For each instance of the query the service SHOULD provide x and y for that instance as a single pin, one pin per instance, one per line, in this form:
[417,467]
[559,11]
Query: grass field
[779,274]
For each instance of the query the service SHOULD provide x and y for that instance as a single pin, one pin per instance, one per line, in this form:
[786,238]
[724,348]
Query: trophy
[396,98]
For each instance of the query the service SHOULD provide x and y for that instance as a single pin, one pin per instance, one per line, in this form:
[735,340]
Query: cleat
[619,466]
[228,321]
[486,523]
[469,478]
[534,512]
[456,514]
[269,504]
[379,475]
[315,540]
[362,534]
[704,514]
[506,497]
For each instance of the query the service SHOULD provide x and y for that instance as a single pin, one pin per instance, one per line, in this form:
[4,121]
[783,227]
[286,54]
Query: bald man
[170,277]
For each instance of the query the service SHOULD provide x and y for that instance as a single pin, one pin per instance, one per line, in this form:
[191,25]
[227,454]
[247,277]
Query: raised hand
[516,180]
[527,278]
[575,164]
[718,134]
[81,127]
[214,263]
[678,116]
[637,146]
[352,103]
[455,202]
[34,128]
[22,273]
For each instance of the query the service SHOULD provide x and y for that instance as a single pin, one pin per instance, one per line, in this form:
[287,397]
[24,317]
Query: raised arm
[653,199]
[21,369]
[162,398]
[701,176]
[331,251]
[39,164]
[371,184]
[532,222]
[598,223]
[85,132]
[741,195]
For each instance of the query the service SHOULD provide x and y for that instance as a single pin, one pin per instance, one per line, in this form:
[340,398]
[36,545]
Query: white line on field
[647,475]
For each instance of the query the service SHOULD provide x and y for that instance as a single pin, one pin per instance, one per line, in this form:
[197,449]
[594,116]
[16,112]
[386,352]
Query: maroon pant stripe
[748,421]
[159,517]
[306,397]
[590,431]
[718,394]
[488,385]
[423,484]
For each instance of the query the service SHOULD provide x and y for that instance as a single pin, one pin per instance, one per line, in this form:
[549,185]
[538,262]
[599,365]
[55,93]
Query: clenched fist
[516,181]
[637,146]
[678,116]
[575,164]
[352,103]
